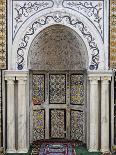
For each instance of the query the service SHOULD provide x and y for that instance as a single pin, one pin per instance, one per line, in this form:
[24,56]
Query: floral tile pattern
[77,125]
[77,89]
[38,124]
[38,93]
[57,88]
[57,123]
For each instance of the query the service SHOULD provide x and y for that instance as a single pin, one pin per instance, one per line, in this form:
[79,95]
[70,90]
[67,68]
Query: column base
[11,151]
[105,150]
[107,153]
[22,151]
[93,150]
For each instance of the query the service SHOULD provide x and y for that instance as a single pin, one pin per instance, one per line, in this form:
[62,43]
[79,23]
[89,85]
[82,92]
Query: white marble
[10,115]
[94,100]
[22,128]
[105,113]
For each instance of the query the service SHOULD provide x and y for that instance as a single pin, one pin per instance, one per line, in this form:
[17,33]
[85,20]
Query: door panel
[38,86]
[76,119]
[38,124]
[61,96]
[77,89]
[57,123]
[57,89]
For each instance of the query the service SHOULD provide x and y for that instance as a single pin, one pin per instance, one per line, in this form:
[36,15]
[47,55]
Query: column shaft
[104,116]
[94,100]
[22,136]
[10,117]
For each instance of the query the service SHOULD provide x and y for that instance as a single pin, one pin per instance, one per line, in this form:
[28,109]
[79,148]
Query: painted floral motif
[23,10]
[57,123]
[77,89]
[38,124]
[93,10]
[57,89]
[58,18]
[38,92]
[77,125]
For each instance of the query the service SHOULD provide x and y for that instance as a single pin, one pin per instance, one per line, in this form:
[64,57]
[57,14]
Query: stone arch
[57,47]
[80,25]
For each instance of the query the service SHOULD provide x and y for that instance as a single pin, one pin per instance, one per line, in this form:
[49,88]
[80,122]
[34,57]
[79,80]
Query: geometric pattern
[38,92]
[57,89]
[38,124]
[77,124]
[113,33]
[2,34]
[77,89]
[57,123]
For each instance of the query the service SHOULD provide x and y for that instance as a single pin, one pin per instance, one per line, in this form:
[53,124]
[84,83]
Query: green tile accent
[84,151]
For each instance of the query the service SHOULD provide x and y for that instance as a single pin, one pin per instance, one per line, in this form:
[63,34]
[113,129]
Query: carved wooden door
[58,105]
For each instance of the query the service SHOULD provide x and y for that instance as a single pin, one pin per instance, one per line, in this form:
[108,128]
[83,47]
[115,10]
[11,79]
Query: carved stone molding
[58,18]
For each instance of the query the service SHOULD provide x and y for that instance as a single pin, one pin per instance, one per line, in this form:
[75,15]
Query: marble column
[22,128]
[94,101]
[105,114]
[10,115]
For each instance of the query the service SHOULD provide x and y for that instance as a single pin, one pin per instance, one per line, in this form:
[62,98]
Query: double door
[59,105]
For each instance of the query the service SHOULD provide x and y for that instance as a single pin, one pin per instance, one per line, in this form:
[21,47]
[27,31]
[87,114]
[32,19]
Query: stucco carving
[58,48]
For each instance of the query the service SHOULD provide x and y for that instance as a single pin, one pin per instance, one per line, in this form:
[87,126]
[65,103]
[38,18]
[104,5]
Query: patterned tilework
[2,34]
[38,124]
[38,92]
[77,89]
[77,125]
[57,123]
[57,89]
[113,33]
[115,110]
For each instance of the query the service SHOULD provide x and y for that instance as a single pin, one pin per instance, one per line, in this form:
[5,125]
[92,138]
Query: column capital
[22,78]
[106,78]
[10,79]
[93,78]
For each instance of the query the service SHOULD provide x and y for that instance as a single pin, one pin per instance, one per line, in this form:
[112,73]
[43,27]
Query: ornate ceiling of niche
[2,34]
[57,48]
[113,33]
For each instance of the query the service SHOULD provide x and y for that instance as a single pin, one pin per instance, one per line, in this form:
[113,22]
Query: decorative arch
[80,25]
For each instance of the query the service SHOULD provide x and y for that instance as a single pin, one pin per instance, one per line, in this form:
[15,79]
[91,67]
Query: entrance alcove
[58,61]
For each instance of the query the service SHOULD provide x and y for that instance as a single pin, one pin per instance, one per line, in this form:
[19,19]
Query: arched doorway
[58,61]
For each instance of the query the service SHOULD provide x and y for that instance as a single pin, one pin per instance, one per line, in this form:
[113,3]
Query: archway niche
[62,53]
[57,47]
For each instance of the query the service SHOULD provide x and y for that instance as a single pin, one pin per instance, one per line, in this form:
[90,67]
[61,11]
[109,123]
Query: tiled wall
[113,33]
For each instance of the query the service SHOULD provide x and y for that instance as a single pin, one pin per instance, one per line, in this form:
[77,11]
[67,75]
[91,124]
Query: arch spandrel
[57,48]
